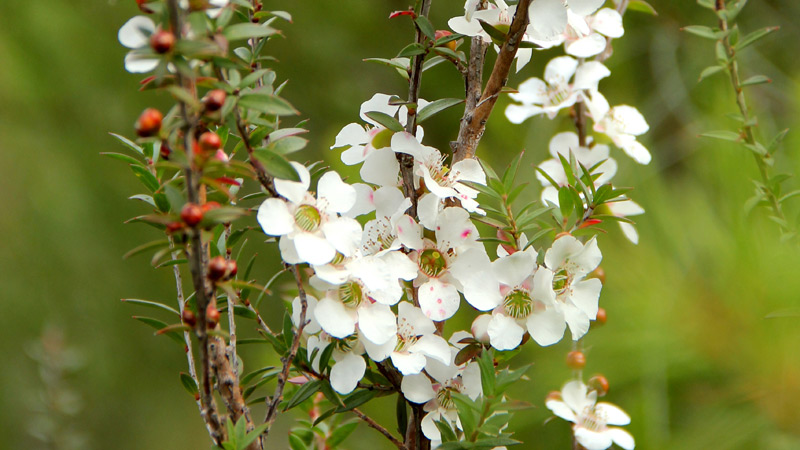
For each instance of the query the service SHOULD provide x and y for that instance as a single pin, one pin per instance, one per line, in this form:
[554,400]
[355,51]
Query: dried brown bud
[191,214]
[162,41]
[188,318]
[576,360]
[214,100]
[149,122]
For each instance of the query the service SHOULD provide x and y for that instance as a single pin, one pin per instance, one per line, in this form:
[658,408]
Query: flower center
[561,282]
[445,397]
[432,263]
[558,92]
[345,344]
[351,294]
[591,420]
[307,217]
[518,304]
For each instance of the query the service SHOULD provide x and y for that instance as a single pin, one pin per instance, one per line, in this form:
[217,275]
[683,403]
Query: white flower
[549,18]
[625,209]
[555,92]
[135,34]
[590,418]
[621,123]
[441,181]
[214,7]
[586,36]
[348,365]
[369,145]
[415,340]
[499,16]
[391,228]
[341,310]
[310,228]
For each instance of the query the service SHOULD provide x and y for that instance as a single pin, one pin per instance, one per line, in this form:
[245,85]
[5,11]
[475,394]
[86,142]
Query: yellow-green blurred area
[688,348]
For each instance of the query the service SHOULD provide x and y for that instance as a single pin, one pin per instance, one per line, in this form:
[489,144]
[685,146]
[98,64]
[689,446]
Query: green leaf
[276,165]
[708,71]
[295,443]
[386,120]
[160,325]
[776,141]
[252,375]
[397,63]
[425,26]
[754,37]
[642,6]
[702,31]
[356,399]
[151,304]
[486,365]
[565,201]
[225,214]
[152,245]
[287,145]
[754,80]
[448,435]
[128,143]
[267,104]
[341,433]
[467,412]
[723,135]
[146,177]
[436,107]
[247,31]
[496,442]
[188,383]
[511,173]
[493,32]
[124,158]
[412,50]
[304,393]
[401,412]
[252,78]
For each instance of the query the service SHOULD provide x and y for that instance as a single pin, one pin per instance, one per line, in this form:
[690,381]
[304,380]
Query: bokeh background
[688,349]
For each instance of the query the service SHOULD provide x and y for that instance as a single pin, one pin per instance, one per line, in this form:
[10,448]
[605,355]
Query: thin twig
[474,121]
[369,421]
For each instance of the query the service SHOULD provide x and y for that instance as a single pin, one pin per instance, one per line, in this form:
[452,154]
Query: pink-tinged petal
[561,409]
[473,270]
[294,191]
[378,353]
[355,154]
[380,103]
[548,18]
[136,32]
[137,63]
[454,228]
[468,170]
[338,195]
[630,232]
[439,301]
[546,326]
[592,440]
[417,388]
[586,47]
[409,232]
[352,134]
[377,323]
[364,203]
[531,91]
[381,168]
[585,7]
[408,363]
[274,217]
[512,270]
[312,326]
[517,114]
[313,249]
[621,438]
[560,69]
[585,295]
[614,414]
[347,372]
[289,251]
[608,22]
[504,332]
[433,346]
[563,248]
[335,318]
[590,73]
[344,234]
[577,321]
[414,317]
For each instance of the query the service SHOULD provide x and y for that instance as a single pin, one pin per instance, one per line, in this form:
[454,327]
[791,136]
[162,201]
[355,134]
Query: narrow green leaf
[341,433]
[702,31]
[493,32]
[267,104]
[642,6]
[124,158]
[386,120]
[146,177]
[411,50]
[708,71]
[754,37]
[425,26]
[755,80]
[188,383]
[303,394]
[128,143]
[436,107]
[356,399]
[247,31]
[723,135]
[277,165]
[152,245]
[151,304]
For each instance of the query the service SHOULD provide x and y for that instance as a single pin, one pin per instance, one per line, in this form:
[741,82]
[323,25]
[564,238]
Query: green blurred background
[687,349]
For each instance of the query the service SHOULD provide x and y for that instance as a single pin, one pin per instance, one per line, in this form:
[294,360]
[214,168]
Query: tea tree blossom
[549,18]
[135,35]
[555,92]
[586,36]
[591,418]
[621,124]
[310,228]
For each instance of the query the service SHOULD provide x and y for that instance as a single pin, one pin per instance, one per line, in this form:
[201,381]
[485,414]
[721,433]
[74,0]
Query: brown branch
[272,409]
[369,421]
[474,122]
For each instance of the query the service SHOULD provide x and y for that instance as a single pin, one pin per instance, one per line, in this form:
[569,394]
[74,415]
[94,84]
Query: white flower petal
[377,323]
[433,346]
[588,46]
[335,318]
[512,270]
[381,168]
[631,119]
[523,57]
[417,388]
[347,372]
[574,395]
[438,300]
[344,234]
[504,332]
[339,195]
[548,18]
[464,26]
[621,438]
[577,321]
[429,428]
[274,217]
[562,249]
[440,371]
[365,201]
[589,74]
[587,259]
[428,209]
[454,228]
[585,7]
[400,265]
[313,249]
[379,352]
[351,134]
[415,318]
[585,295]
[543,286]
[531,91]
[560,69]
[380,103]
[388,200]
[608,22]
[136,63]
[408,363]
[135,32]
[638,152]
[517,114]
[614,414]
[289,251]
[468,170]
[546,327]
[330,275]
[473,270]
[355,154]
[294,191]
[561,409]
[630,232]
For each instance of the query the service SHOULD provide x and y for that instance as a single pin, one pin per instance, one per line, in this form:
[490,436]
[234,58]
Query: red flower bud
[191,214]
[601,316]
[599,383]
[444,33]
[174,226]
[212,315]
[576,360]
[188,318]
[214,100]
[149,122]
[209,142]
[233,268]
[217,268]
[209,206]
[162,41]
[165,151]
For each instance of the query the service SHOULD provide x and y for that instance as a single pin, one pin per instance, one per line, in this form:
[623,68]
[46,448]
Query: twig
[369,421]
[474,122]
[272,409]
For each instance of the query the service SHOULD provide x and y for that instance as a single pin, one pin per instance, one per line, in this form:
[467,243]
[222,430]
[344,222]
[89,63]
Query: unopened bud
[165,151]
[209,206]
[191,214]
[444,33]
[209,142]
[232,268]
[599,383]
[174,226]
[162,41]
[188,317]
[576,360]
[598,273]
[601,316]
[214,100]
[149,122]
[217,268]
[212,315]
